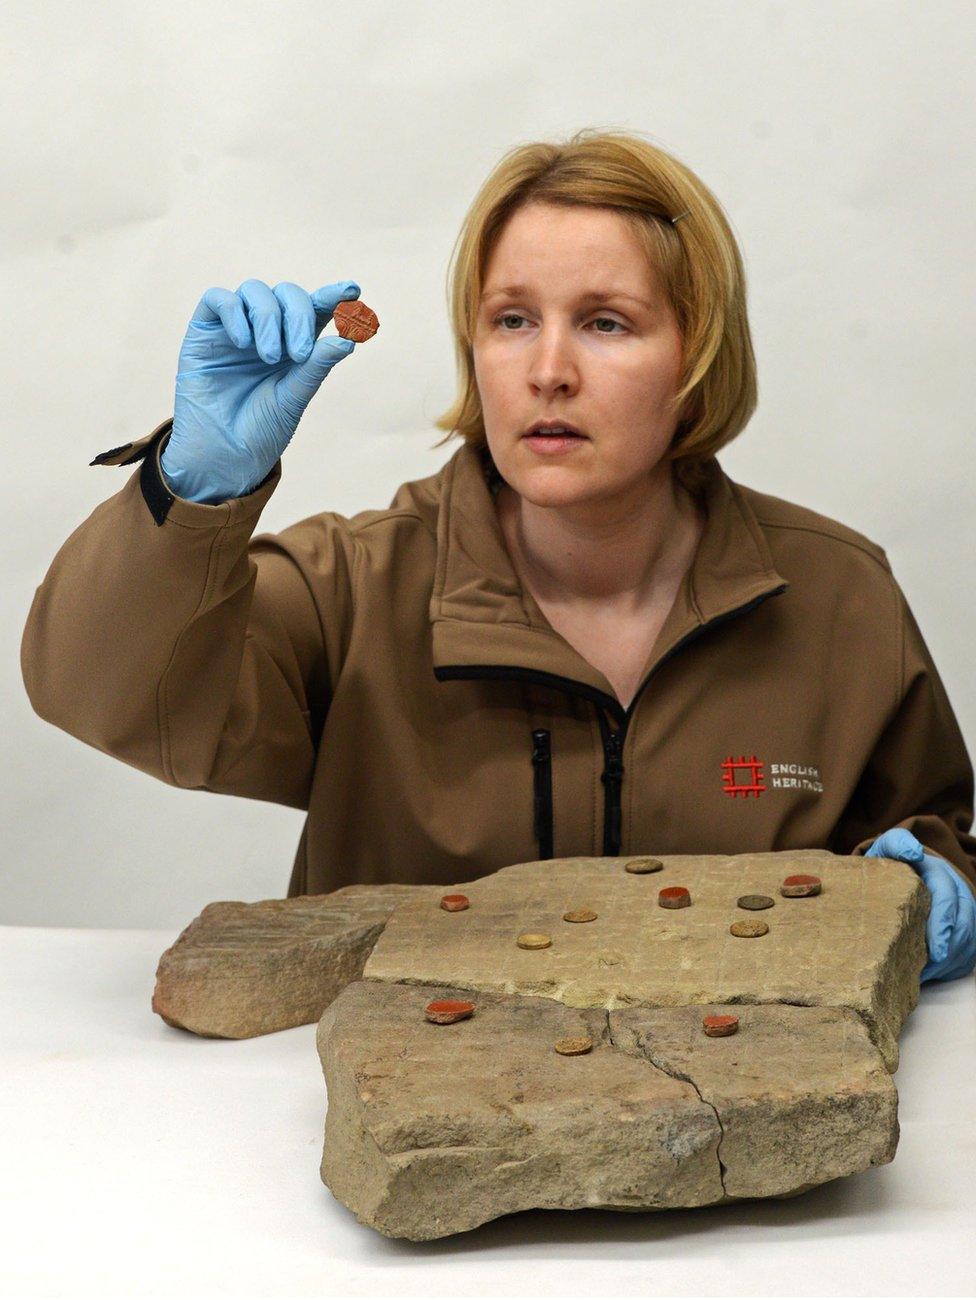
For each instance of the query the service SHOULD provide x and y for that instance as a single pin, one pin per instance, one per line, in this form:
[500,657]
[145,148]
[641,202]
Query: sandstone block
[243,969]
[860,943]
[433,1129]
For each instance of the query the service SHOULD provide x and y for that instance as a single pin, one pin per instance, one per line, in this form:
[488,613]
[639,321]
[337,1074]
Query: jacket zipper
[613,741]
[542,801]
[612,777]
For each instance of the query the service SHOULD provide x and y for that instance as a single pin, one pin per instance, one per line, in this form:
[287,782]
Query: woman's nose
[552,357]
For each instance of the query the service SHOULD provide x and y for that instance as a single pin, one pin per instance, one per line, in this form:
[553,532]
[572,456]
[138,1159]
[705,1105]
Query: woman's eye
[611,321]
[510,315]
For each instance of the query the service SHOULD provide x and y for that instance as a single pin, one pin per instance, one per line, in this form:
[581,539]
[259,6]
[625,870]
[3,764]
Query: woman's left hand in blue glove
[951,926]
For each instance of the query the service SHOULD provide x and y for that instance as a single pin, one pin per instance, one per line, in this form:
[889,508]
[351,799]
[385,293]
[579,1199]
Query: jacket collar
[482,617]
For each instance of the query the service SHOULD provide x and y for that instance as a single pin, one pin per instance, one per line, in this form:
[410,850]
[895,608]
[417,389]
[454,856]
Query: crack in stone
[607,1036]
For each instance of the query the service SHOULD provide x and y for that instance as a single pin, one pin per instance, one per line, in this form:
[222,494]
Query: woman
[580,643]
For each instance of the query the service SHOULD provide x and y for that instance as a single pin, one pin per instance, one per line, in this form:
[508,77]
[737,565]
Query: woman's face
[585,335]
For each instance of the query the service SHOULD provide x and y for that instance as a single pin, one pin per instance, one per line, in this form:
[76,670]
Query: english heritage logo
[746,776]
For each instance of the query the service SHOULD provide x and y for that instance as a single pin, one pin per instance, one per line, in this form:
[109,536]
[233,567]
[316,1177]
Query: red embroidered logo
[744,776]
[747,776]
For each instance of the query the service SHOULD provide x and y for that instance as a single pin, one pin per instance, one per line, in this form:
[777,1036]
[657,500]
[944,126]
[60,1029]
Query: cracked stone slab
[435,1129]
[858,944]
[243,969]
[802,1095]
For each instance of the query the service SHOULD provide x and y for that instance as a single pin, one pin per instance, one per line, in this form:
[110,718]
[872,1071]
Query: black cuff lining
[157,495]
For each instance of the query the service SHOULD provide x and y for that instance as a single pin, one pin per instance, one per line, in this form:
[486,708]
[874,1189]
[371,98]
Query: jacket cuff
[159,496]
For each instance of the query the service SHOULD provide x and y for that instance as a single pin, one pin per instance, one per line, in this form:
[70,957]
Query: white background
[153,150]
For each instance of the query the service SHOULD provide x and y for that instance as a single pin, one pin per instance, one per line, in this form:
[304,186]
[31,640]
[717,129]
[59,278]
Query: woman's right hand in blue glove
[249,366]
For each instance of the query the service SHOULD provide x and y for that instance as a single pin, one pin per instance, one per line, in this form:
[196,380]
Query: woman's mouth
[548,444]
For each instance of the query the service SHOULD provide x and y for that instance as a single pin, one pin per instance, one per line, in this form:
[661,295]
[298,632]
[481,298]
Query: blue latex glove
[951,926]
[239,392]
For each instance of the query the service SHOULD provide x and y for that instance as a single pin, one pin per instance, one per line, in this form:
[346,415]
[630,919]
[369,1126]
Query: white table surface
[141,1160]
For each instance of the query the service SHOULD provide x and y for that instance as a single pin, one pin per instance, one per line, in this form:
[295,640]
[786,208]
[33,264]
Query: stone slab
[243,969]
[860,943]
[435,1129]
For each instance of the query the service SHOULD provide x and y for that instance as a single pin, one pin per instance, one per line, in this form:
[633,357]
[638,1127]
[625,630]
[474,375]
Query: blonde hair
[697,259]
